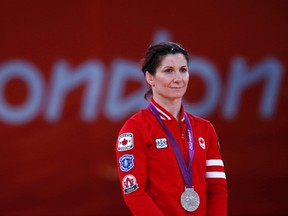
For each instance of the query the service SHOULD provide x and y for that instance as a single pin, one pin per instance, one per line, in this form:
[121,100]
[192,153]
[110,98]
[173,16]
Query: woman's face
[171,78]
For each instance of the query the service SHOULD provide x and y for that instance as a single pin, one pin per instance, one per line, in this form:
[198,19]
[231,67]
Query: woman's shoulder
[140,119]
[199,120]
[140,115]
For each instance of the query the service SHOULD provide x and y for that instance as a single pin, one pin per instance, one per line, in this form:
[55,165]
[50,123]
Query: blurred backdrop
[70,76]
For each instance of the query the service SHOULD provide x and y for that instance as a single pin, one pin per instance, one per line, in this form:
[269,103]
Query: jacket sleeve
[215,178]
[132,157]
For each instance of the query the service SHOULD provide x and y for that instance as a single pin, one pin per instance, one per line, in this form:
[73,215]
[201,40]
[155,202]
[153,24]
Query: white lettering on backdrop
[50,98]
[118,106]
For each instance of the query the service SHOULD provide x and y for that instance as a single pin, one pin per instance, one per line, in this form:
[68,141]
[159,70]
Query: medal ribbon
[186,171]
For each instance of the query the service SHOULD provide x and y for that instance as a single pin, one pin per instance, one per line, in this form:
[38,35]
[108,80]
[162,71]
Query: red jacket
[150,177]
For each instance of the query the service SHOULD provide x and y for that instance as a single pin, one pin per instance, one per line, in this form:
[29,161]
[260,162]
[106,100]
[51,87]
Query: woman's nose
[177,76]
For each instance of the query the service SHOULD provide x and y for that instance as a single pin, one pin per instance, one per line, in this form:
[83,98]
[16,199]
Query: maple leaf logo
[129,182]
[124,142]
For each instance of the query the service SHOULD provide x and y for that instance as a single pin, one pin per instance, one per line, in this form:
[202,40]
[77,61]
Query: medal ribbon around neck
[186,171]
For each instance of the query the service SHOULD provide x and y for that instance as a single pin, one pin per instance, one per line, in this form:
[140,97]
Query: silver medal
[190,199]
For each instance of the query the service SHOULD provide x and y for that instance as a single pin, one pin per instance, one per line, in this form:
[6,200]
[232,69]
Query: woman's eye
[184,70]
[168,70]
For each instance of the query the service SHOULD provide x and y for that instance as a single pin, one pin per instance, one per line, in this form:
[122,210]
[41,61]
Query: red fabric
[160,182]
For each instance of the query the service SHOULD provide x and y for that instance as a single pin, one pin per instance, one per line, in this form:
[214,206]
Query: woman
[169,161]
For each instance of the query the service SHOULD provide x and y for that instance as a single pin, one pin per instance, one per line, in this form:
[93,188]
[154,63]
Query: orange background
[68,167]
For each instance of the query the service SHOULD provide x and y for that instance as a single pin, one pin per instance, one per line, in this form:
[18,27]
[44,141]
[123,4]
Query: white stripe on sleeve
[214,162]
[215,175]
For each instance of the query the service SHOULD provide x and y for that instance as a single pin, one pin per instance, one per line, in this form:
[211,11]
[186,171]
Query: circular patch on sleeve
[129,184]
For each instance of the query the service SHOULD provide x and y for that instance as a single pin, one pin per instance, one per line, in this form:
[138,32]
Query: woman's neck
[173,106]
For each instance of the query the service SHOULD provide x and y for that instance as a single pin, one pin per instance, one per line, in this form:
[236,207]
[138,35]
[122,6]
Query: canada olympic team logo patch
[129,184]
[202,142]
[126,162]
[125,142]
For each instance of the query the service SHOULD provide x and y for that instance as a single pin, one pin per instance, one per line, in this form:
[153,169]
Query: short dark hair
[154,55]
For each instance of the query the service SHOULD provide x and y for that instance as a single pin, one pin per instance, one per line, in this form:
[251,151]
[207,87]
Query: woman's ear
[149,78]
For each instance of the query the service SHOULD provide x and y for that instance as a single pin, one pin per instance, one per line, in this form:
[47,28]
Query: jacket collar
[164,114]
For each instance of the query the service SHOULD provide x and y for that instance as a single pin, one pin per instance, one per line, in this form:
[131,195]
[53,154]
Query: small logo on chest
[161,143]
[202,143]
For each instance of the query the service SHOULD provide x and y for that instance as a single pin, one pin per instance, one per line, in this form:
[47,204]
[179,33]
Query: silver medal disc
[190,199]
